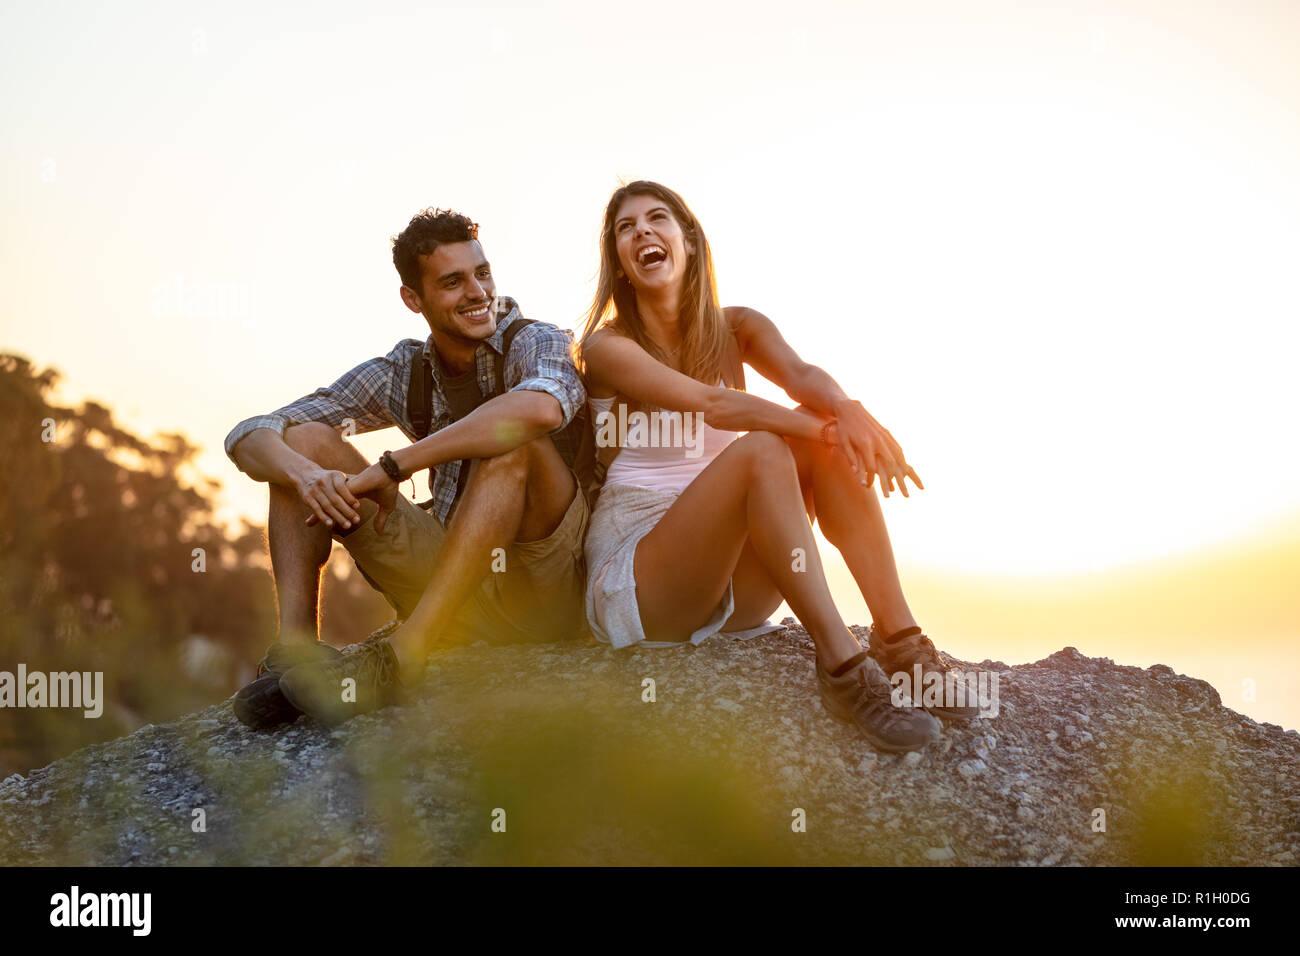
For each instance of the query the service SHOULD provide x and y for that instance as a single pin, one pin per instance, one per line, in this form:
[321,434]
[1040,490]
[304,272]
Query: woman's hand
[870,448]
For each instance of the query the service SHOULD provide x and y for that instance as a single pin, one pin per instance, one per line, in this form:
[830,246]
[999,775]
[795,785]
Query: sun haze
[1052,250]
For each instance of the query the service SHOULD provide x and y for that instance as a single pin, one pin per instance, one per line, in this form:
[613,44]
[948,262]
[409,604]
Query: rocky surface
[554,754]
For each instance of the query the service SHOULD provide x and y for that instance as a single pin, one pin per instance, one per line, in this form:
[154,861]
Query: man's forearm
[494,428]
[263,455]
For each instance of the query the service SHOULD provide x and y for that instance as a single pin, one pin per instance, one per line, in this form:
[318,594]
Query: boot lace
[875,700]
[382,662]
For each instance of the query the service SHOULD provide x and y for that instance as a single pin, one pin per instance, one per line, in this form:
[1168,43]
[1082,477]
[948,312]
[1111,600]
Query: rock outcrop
[557,754]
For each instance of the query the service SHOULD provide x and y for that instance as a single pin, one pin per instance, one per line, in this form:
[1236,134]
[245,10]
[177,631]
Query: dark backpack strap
[419,396]
[419,390]
[509,336]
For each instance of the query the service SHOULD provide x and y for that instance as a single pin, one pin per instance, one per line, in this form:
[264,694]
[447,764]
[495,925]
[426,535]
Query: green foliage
[97,572]
[586,786]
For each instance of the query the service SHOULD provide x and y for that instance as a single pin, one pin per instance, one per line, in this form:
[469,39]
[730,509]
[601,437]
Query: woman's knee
[813,454]
[809,447]
[766,452]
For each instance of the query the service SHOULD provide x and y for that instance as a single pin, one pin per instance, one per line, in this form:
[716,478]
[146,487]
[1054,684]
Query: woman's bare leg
[756,594]
[850,517]
[749,494]
[852,520]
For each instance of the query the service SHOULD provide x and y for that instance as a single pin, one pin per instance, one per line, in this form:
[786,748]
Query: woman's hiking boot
[953,694]
[865,698]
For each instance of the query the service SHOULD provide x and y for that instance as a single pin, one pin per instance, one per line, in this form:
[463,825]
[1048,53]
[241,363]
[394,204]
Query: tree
[98,531]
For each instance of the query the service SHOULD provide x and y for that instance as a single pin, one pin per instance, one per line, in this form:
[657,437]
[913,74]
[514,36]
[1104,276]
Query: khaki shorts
[534,592]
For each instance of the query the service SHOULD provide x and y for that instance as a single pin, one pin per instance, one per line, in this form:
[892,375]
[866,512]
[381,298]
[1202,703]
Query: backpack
[589,463]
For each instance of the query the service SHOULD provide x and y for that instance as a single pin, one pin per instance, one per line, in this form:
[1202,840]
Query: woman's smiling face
[653,252]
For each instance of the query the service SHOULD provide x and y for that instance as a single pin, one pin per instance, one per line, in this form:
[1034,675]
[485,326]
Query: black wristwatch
[389,464]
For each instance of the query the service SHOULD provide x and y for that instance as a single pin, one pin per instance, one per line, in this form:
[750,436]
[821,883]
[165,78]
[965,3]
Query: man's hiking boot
[324,691]
[957,699]
[285,655]
[864,697]
[260,704]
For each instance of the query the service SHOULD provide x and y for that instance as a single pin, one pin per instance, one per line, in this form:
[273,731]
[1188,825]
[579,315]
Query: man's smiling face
[458,298]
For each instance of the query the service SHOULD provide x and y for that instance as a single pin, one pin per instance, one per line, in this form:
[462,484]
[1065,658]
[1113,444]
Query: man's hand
[374,483]
[326,493]
[871,449]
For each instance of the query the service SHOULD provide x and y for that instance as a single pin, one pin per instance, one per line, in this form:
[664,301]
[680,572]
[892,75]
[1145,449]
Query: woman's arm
[867,444]
[617,364]
[765,350]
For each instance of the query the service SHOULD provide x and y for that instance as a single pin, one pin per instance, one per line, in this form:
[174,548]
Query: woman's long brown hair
[705,335]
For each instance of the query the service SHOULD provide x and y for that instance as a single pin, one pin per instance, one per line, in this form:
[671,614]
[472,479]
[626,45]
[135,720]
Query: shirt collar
[505,305]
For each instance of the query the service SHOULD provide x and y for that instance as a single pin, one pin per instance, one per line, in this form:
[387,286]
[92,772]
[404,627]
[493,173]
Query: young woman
[709,533]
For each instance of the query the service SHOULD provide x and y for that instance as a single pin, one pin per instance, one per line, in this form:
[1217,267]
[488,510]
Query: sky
[1051,247]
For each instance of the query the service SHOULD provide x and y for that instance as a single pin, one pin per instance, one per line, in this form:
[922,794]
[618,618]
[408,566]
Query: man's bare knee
[308,437]
[513,463]
[519,460]
[323,445]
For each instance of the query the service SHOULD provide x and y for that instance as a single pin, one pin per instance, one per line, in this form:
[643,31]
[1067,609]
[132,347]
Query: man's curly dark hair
[427,230]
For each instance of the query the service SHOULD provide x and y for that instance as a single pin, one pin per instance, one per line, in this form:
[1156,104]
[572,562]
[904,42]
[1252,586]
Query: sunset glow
[1053,251]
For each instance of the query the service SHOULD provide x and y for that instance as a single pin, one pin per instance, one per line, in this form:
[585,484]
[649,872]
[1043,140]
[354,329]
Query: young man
[498,555]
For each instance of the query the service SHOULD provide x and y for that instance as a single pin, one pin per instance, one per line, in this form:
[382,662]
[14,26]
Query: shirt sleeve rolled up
[541,360]
[360,399]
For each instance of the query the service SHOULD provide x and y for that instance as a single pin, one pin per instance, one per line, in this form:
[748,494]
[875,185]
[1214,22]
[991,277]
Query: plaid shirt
[373,395]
